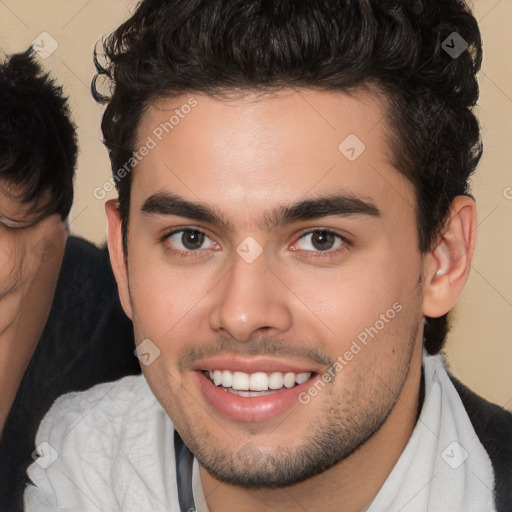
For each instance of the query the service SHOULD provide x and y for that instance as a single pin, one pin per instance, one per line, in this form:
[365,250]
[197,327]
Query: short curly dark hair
[169,47]
[38,143]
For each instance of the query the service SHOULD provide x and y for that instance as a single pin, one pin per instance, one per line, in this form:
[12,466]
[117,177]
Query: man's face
[304,253]
[30,256]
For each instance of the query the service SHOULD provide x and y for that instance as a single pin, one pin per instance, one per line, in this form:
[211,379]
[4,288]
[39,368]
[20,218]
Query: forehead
[255,151]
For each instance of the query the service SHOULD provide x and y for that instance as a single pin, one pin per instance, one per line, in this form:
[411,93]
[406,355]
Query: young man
[293,227]
[61,325]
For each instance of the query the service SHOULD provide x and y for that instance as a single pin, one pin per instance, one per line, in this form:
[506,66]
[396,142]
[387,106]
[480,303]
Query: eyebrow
[164,203]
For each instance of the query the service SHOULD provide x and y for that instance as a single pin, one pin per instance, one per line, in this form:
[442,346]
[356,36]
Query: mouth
[254,395]
[250,385]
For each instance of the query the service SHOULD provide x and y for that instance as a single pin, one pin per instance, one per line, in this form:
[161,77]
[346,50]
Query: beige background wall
[480,346]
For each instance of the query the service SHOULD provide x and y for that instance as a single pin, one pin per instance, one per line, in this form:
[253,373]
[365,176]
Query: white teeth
[248,393]
[300,378]
[240,381]
[276,380]
[289,380]
[217,377]
[227,378]
[257,382]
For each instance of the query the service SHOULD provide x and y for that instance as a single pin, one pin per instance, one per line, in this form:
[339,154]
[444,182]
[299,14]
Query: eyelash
[315,254]
[329,253]
[178,252]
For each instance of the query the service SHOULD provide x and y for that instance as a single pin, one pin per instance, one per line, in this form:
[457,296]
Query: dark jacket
[493,426]
[87,340]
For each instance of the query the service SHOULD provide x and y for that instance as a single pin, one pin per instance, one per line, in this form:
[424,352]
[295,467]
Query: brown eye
[320,241]
[323,240]
[190,240]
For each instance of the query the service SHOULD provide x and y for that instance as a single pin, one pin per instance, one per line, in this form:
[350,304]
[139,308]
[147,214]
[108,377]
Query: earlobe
[447,265]
[117,257]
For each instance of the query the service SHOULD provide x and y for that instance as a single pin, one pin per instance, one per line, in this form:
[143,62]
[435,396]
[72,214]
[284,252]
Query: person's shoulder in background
[108,448]
[87,340]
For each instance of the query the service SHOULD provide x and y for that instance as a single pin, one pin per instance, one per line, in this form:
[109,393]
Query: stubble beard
[346,422]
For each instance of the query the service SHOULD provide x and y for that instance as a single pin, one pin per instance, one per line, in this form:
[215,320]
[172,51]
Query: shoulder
[112,442]
[85,272]
[492,423]
[127,399]
[493,426]
[82,259]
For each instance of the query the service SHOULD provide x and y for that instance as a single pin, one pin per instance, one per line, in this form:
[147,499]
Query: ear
[446,267]
[115,248]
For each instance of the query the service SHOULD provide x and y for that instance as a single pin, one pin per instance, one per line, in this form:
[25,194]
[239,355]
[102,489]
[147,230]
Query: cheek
[350,299]
[29,257]
[11,259]
[165,297]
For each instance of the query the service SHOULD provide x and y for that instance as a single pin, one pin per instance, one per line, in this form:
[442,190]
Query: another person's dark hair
[38,144]
[171,47]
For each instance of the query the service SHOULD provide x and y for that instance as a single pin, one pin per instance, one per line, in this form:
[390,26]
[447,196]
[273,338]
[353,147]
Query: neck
[353,482]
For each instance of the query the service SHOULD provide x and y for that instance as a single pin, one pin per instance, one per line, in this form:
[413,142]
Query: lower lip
[251,409]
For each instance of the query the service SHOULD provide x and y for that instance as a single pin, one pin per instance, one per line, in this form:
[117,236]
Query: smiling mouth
[255,384]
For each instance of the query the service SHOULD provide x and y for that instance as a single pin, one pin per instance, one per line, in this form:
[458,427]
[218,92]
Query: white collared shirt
[111,449]
[444,467]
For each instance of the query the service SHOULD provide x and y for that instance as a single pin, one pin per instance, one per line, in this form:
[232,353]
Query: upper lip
[253,364]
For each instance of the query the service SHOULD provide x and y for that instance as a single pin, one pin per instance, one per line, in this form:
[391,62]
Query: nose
[249,299]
